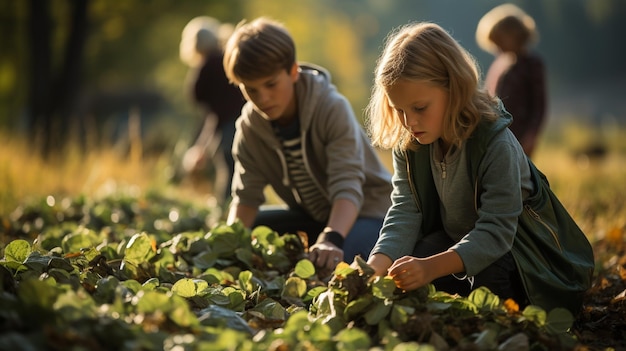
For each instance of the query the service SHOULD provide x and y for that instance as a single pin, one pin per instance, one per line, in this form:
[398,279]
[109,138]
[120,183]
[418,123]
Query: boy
[299,135]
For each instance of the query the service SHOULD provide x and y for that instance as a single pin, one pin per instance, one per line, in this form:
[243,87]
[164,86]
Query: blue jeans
[501,277]
[360,240]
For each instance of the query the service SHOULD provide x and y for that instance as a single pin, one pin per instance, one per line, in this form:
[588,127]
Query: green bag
[553,255]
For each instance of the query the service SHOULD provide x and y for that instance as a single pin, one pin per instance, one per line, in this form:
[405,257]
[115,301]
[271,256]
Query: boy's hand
[325,255]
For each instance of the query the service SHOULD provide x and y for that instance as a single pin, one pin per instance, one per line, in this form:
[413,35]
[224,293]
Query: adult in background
[517,74]
[219,102]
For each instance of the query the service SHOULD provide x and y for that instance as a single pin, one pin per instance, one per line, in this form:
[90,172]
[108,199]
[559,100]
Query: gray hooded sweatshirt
[336,151]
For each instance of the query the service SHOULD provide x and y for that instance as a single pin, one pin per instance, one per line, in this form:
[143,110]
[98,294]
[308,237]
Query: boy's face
[274,96]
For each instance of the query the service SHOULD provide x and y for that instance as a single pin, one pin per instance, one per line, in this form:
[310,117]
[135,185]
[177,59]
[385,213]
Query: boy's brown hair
[258,49]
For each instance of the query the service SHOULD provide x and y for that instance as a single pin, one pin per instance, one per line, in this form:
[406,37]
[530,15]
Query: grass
[592,189]
[26,176]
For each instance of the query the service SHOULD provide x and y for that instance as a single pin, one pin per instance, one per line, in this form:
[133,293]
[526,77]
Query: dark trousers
[501,277]
[360,240]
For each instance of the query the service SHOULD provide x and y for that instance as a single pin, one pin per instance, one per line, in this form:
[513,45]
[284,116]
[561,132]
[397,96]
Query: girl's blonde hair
[425,52]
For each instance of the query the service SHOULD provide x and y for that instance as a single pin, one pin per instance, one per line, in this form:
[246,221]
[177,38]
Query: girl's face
[274,96]
[421,108]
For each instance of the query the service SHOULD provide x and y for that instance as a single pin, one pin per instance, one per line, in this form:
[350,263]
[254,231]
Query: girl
[461,180]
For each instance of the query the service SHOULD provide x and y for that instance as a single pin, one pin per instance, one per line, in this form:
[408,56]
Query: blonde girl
[469,209]
[460,179]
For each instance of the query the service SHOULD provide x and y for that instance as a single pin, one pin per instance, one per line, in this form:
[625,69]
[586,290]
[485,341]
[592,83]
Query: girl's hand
[409,273]
[380,263]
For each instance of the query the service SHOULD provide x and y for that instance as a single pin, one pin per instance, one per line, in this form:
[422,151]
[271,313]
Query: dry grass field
[589,183]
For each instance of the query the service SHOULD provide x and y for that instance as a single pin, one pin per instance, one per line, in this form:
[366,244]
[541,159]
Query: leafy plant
[124,285]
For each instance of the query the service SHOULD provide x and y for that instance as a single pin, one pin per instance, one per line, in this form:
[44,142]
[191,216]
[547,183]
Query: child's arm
[411,272]
[380,263]
[246,214]
[342,216]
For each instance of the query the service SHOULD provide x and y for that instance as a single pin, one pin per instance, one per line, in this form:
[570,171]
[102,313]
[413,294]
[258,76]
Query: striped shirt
[312,200]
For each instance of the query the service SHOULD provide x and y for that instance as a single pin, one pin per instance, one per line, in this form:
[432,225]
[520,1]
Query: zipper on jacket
[443,169]
[537,217]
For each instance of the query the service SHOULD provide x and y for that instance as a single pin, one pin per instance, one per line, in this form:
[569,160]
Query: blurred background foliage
[86,73]
[100,75]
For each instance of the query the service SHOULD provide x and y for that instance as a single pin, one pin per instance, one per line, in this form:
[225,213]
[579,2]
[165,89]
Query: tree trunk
[52,100]
[38,122]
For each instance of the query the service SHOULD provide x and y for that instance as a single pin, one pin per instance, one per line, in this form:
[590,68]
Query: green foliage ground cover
[149,273]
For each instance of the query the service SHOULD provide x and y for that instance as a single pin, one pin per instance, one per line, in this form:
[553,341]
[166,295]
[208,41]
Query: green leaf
[297,322]
[185,287]
[221,317]
[17,251]
[344,270]
[319,333]
[246,282]
[535,314]
[294,287]
[352,339]
[413,346]
[38,263]
[83,238]
[216,276]
[559,320]
[38,294]
[379,311]
[237,299]
[132,285]
[205,259]
[150,284]
[304,269]
[271,310]
[367,270]
[400,315]
[356,307]
[223,241]
[484,299]
[180,312]
[74,306]
[105,289]
[313,293]
[139,249]
[383,287]
[61,263]
[153,301]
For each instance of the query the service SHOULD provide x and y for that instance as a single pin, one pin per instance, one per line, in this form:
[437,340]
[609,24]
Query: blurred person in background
[219,102]
[517,74]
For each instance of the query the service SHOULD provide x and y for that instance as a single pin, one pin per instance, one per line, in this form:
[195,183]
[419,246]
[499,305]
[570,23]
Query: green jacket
[553,255]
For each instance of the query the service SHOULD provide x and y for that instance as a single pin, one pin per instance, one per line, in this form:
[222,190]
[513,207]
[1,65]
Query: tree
[51,92]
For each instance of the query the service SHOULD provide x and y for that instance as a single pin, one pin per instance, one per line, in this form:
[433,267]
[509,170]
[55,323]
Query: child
[220,102]
[300,136]
[517,75]
[462,183]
